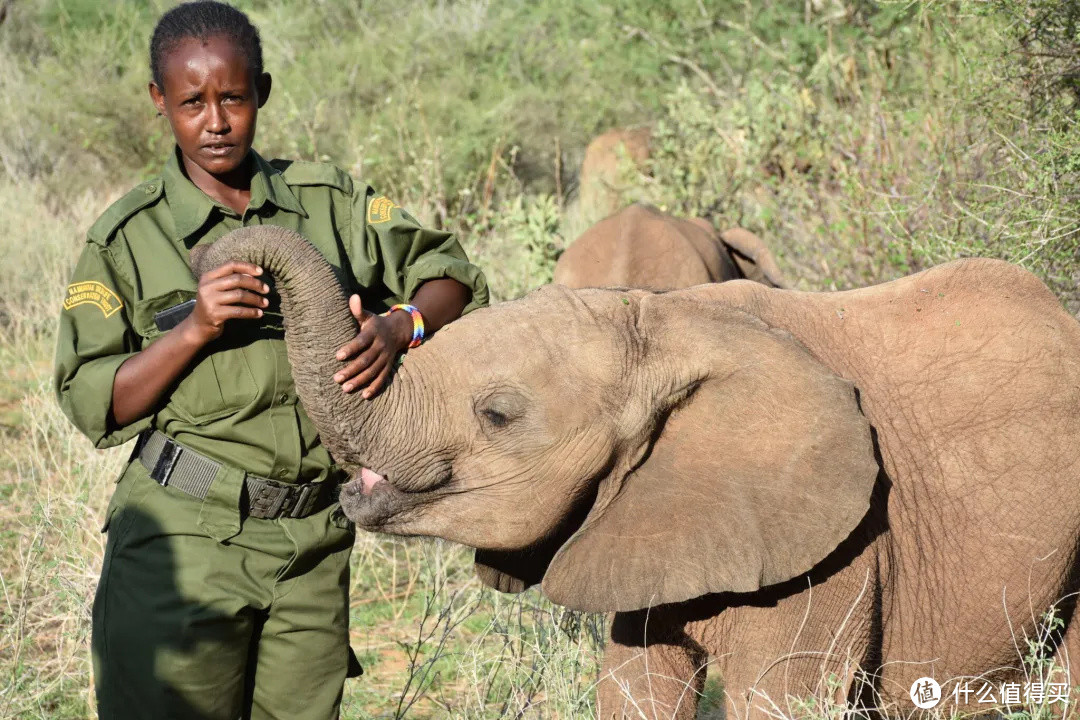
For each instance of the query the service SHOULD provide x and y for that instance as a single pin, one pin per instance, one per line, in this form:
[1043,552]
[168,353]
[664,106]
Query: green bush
[875,163]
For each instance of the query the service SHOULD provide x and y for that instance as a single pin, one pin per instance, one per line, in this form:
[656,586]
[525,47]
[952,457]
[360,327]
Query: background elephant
[607,158]
[873,485]
[642,247]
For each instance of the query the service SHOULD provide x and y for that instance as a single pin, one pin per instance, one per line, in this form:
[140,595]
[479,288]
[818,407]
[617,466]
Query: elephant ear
[759,464]
[753,257]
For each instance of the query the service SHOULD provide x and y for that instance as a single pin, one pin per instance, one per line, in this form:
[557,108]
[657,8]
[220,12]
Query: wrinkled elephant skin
[875,485]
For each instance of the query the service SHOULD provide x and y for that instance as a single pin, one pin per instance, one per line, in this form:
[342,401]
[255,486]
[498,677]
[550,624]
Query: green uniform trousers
[187,625]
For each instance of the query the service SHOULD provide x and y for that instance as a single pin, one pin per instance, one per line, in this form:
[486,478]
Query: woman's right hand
[232,291]
[228,292]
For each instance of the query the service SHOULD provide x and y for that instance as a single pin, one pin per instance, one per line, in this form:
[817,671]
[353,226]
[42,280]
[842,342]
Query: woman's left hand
[370,355]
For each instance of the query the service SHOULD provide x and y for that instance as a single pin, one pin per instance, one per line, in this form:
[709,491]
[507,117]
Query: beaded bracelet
[417,322]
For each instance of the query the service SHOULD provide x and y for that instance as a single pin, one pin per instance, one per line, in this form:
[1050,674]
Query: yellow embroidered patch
[94,293]
[379,210]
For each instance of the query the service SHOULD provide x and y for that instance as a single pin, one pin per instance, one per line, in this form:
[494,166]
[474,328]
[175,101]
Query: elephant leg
[651,669]
[793,687]
[819,648]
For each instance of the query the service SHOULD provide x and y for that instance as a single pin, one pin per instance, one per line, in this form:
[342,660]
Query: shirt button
[284,398]
[151,189]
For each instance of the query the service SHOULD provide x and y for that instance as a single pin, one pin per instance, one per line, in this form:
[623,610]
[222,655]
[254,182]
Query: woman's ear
[757,464]
[157,96]
[263,85]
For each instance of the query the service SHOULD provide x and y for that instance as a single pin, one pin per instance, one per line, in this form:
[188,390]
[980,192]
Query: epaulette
[103,231]
[299,172]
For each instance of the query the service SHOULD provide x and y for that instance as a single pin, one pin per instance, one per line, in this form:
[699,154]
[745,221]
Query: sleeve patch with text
[379,210]
[93,293]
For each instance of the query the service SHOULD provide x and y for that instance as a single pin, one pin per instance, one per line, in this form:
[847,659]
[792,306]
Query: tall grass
[861,141]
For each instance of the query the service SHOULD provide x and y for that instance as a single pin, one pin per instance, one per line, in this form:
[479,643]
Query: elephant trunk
[317,323]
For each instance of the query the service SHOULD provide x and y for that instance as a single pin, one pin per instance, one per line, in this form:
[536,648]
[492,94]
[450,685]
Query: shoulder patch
[92,292]
[299,172]
[144,195]
[379,210]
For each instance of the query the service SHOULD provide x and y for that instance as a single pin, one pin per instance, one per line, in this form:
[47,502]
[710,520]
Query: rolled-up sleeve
[95,337]
[407,253]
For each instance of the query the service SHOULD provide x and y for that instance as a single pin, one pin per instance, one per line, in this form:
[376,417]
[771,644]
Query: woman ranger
[223,590]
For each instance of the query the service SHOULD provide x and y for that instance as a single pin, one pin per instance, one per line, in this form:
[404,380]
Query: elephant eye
[495,417]
[499,409]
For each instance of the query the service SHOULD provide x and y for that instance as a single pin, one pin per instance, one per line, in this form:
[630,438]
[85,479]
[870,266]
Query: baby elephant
[642,247]
[809,493]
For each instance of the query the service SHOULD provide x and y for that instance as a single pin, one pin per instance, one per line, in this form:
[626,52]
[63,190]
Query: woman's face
[211,99]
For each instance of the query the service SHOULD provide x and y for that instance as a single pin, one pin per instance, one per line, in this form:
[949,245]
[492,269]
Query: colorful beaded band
[417,322]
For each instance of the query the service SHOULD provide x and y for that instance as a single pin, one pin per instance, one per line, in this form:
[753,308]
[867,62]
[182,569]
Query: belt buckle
[166,462]
[300,505]
[281,496]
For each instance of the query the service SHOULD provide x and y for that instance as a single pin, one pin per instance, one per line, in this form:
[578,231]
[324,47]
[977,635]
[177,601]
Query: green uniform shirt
[236,403]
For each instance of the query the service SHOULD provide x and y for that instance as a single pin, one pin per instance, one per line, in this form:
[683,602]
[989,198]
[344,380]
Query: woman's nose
[217,122]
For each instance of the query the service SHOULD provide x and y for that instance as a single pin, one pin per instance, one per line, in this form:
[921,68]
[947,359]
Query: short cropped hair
[203,20]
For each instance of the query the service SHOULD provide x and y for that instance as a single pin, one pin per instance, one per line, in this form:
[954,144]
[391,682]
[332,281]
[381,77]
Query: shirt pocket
[217,384]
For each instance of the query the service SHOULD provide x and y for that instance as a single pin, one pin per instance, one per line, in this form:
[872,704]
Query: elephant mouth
[372,502]
[369,479]
[376,503]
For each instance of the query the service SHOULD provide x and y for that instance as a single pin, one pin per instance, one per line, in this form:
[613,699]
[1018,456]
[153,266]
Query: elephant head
[624,448]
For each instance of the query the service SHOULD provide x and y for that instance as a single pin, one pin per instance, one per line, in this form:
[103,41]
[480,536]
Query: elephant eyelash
[499,408]
[495,417]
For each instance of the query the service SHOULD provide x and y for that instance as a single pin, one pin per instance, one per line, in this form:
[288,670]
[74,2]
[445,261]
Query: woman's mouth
[218,148]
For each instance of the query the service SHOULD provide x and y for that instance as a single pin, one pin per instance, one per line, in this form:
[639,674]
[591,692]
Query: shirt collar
[191,207]
[268,186]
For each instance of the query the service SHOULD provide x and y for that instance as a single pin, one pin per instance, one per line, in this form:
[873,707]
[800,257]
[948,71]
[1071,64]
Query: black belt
[172,464]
